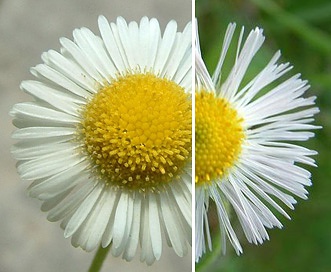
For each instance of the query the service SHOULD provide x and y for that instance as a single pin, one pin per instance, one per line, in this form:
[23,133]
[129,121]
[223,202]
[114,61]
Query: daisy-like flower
[247,159]
[107,140]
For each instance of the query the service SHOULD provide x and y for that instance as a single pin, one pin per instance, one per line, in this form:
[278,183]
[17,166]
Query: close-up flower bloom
[247,128]
[106,142]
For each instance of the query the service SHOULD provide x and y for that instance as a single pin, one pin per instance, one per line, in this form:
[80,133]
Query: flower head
[247,156]
[107,140]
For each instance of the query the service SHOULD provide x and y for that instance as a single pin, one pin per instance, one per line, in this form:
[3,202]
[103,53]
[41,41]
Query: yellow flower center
[218,134]
[137,131]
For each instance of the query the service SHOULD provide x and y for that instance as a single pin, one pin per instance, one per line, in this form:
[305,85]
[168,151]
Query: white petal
[133,239]
[244,57]
[224,220]
[147,253]
[45,72]
[111,43]
[42,115]
[113,202]
[82,212]
[42,132]
[165,47]
[173,229]
[71,70]
[48,165]
[117,250]
[65,207]
[59,100]
[59,182]
[120,220]
[98,221]
[36,151]
[143,40]
[124,40]
[93,48]
[155,38]
[54,201]
[183,205]
[81,56]
[154,226]
[181,53]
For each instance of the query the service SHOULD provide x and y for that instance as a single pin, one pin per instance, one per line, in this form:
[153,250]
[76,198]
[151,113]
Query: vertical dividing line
[193,133]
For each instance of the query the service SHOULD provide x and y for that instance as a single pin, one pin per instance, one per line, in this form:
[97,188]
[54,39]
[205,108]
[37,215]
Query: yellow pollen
[218,137]
[137,131]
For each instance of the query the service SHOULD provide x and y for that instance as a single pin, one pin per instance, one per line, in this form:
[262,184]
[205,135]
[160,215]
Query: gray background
[28,242]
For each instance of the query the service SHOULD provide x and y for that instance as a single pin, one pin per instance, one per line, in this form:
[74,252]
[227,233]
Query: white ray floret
[91,212]
[269,169]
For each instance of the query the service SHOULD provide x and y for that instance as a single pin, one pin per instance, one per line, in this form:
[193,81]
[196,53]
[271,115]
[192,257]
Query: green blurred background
[301,29]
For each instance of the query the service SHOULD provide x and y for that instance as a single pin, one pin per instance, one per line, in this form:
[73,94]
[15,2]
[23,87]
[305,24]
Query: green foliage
[301,29]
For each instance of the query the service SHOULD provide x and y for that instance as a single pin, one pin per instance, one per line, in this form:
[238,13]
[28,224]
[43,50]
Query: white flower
[107,140]
[247,159]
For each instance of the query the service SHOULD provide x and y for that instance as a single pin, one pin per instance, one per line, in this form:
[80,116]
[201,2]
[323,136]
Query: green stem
[209,259]
[98,259]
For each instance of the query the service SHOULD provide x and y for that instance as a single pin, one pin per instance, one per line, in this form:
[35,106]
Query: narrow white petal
[120,220]
[99,221]
[268,188]
[42,115]
[226,43]
[51,203]
[154,226]
[181,52]
[202,78]
[53,97]
[224,219]
[59,182]
[133,32]
[128,50]
[116,251]
[262,193]
[88,234]
[82,212]
[71,70]
[133,239]
[184,69]
[165,47]
[45,72]
[81,56]
[48,165]
[35,151]
[145,237]
[144,37]
[174,230]
[113,202]
[110,41]
[245,55]
[93,48]
[42,132]
[155,38]
[200,211]
[183,205]
[63,208]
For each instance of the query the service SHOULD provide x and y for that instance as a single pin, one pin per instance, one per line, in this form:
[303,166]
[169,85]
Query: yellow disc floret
[137,131]
[218,134]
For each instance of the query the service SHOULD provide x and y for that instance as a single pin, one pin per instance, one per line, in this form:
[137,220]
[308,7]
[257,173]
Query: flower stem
[98,259]
[209,259]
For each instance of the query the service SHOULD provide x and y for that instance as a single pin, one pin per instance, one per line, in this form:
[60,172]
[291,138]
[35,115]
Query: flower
[107,140]
[246,155]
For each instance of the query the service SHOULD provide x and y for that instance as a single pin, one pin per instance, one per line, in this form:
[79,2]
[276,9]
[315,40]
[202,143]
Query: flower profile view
[248,163]
[106,142]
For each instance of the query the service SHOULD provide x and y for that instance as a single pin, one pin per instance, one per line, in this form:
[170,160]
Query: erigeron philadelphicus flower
[247,158]
[107,139]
